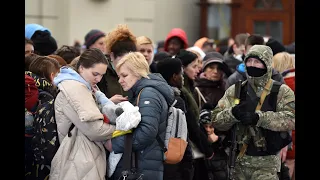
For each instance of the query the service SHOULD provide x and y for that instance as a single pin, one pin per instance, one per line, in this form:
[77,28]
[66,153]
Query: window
[268,4]
[269,28]
[219,21]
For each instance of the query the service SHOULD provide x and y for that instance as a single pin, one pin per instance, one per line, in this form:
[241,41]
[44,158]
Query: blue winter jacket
[153,106]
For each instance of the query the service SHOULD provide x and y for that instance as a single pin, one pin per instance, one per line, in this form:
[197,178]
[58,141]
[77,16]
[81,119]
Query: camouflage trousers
[257,168]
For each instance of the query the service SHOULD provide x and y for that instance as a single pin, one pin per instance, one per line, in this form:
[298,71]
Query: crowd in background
[120,65]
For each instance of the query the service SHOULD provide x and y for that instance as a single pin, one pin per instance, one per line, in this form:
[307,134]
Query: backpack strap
[127,153]
[273,96]
[139,96]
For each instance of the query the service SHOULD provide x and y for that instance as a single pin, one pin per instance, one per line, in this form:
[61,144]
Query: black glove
[248,118]
[237,110]
[240,113]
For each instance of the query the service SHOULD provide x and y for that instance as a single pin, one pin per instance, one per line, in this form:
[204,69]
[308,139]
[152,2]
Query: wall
[70,20]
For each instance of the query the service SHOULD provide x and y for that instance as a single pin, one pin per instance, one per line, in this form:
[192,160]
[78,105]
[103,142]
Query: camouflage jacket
[281,120]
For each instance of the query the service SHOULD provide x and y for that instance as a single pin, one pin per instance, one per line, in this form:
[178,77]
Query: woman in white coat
[81,155]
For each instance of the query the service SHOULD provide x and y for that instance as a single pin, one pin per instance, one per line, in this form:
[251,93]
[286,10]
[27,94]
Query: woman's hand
[94,88]
[118,98]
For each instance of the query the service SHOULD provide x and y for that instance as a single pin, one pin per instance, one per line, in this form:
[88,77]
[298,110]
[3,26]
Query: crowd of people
[237,94]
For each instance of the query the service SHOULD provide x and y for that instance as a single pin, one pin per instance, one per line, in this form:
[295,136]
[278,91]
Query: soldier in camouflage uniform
[262,165]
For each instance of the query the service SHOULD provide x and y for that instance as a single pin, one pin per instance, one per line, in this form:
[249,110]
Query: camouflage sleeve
[222,117]
[284,118]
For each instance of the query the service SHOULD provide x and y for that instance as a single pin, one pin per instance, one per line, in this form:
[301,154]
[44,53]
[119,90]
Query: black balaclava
[254,71]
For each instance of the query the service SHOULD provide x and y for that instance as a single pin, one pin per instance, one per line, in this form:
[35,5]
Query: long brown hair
[90,57]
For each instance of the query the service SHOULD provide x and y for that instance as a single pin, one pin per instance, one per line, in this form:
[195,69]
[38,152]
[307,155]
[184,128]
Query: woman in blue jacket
[156,95]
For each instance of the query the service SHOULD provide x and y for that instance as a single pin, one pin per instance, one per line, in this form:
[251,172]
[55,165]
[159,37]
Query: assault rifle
[233,148]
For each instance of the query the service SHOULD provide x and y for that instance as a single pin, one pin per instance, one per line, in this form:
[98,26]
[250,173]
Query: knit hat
[275,46]
[44,43]
[92,36]
[186,57]
[30,29]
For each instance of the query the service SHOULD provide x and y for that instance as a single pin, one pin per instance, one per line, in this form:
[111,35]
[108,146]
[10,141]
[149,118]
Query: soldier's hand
[239,109]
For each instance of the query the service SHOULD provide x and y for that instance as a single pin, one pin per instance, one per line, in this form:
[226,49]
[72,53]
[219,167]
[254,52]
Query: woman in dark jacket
[189,62]
[200,139]
[211,83]
[171,71]
[156,95]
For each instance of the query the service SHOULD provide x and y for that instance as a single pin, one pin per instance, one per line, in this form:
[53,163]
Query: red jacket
[176,32]
[289,79]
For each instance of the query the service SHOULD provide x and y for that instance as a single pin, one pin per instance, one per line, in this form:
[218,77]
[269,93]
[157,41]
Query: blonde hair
[136,62]
[144,40]
[282,61]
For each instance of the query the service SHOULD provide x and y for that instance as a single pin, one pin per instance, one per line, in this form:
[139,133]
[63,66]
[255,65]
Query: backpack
[276,140]
[175,142]
[45,142]
[31,93]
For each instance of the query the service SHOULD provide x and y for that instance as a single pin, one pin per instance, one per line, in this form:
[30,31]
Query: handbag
[129,171]
[196,153]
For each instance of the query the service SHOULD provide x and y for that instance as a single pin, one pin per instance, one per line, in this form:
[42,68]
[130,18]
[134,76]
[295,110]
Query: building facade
[70,20]
[275,18]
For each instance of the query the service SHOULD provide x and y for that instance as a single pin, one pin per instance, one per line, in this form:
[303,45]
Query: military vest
[265,142]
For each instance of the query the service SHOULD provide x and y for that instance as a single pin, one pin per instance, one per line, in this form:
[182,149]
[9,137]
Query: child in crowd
[217,166]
